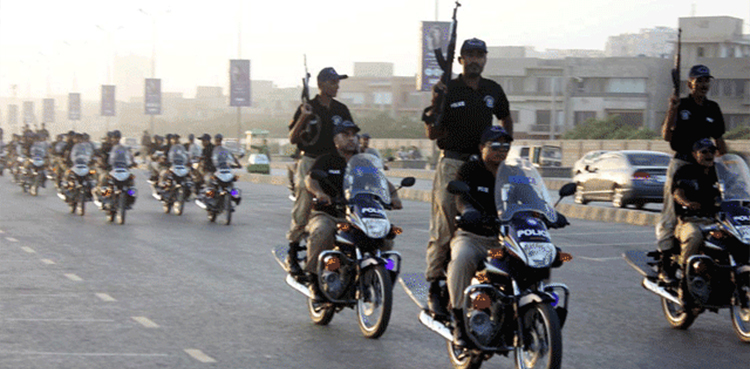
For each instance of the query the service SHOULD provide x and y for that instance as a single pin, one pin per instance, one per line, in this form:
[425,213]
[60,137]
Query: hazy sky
[195,39]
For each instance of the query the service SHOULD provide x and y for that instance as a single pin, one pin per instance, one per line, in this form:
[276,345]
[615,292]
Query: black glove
[471,217]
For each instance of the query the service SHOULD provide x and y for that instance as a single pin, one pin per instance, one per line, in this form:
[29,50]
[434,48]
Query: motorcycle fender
[535,297]
[371,261]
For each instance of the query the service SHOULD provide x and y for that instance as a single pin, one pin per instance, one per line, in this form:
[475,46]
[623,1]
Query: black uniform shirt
[693,123]
[335,166]
[208,164]
[482,188]
[699,187]
[469,112]
[329,117]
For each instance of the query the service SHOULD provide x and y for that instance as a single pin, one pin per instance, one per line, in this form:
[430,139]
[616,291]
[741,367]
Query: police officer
[312,131]
[688,120]
[470,103]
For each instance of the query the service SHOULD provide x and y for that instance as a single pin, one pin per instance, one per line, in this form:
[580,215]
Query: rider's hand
[693,205]
[440,86]
[323,199]
[396,203]
[306,110]
[674,101]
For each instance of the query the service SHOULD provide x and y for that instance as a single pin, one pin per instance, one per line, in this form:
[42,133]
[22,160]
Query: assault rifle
[676,69]
[305,86]
[312,133]
[446,64]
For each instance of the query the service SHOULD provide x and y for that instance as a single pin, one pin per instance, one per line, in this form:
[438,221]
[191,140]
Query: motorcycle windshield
[222,158]
[38,150]
[81,153]
[734,178]
[518,188]
[364,176]
[120,157]
[178,155]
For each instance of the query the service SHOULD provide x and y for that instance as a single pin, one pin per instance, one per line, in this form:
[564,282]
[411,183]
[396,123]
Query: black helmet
[218,136]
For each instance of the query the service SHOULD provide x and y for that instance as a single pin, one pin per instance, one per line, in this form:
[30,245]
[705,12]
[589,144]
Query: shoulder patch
[490,101]
[685,114]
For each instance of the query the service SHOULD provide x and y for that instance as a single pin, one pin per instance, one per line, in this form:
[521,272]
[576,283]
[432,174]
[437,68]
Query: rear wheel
[462,358]
[121,208]
[542,346]
[320,313]
[375,301]
[677,316]
[741,316]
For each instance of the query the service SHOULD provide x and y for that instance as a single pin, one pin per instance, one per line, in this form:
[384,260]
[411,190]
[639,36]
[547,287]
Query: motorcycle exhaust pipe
[201,204]
[297,286]
[655,288]
[435,326]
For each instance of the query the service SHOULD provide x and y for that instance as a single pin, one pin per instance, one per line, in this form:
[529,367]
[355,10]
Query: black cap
[328,74]
[699,70]
[493,133]
[365,135]
[473,44]
[205,137]
[343,126]
[703,143]
[116,133]
[218,136]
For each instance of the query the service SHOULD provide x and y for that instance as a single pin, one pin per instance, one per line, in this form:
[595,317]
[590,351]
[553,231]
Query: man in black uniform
[688,120]
[696,197]
[471,101]
[312,131]
[43,132]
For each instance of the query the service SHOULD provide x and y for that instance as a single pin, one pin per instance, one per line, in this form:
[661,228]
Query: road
[164,291]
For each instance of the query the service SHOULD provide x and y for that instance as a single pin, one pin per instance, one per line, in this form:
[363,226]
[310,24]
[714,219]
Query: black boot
[291,260]
[668,267]
[459,335]
[436,301]
[315,294]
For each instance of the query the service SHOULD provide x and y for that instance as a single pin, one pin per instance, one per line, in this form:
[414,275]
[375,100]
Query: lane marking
[92,354]
[593,233]
[48,262]
[73,277]
[146,322]
[200,356]
[105,297]
[2,232]
[28,250]
[11,239]
[599,259]
[608,244]
[61,320]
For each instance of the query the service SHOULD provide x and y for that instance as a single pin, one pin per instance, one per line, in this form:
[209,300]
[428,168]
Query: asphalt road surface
[164,291]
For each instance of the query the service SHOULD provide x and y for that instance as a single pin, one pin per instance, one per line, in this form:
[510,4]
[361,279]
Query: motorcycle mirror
[567,190]
[137,153]
[408,182]
[318,175]
[458,187]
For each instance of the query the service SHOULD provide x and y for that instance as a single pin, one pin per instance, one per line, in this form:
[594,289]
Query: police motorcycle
[75,188]
[510,305]
[117,193]
[3,158]
[57,163]
[176,184]
[32,173]
[356,273]
[719,275]
[220,195]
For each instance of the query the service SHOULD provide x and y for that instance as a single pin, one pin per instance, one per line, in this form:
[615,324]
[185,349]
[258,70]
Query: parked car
[258,163]
[623,177]
[539,156]
[587,159]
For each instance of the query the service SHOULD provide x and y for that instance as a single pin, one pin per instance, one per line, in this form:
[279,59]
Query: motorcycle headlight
[236,192]
[539,254]
[376,228]
[744,232]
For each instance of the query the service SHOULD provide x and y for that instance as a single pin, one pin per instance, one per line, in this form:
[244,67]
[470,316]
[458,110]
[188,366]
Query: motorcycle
[118,193]
[176,185]
[33,171]
[510,306]
[220,195]
[76,188]
[718,276]
[356,273]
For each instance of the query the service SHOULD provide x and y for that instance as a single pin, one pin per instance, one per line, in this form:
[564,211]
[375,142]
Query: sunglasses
[500,146]
[708,151]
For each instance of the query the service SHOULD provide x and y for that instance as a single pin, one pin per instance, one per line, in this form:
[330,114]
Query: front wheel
[677,316]
[180,204]
[34,189]
[542,338]
[228,209]
[462,358]
[740,319]
[320,313]
[121,208]
[375,301]
[81,205]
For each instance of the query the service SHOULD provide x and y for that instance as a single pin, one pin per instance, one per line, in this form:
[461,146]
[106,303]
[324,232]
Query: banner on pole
[74,106]
[49,111]
[239,82]
[108,100]
[28,112]
[152,96]
[12,115]
[433,35]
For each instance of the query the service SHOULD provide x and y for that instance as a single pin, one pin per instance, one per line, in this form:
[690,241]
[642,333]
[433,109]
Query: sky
[61,46]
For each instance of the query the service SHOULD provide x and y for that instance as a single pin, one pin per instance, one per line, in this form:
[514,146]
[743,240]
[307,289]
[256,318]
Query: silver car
[623,177]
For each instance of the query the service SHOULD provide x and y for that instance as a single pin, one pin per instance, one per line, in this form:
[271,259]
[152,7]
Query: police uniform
[328,118]
[693,123]
[468,113]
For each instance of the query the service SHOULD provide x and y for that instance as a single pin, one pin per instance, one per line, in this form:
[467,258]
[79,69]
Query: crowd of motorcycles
[511,305]
[84,174]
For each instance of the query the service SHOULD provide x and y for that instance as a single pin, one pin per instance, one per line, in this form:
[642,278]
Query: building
[653,43]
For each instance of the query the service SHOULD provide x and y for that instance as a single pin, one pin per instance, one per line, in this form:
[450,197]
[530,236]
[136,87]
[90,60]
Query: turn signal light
[332,263]
[496,253]
[344,227]
[565,257]
[210,193]
[718,234]
[641,176]
[92,172]
[396,230]
[482,277]
[480,301]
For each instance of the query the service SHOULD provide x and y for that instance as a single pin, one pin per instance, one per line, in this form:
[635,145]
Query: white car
[588,159]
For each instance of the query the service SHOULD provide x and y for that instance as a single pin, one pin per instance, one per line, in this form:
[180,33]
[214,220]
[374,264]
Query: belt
[456,155]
